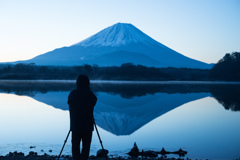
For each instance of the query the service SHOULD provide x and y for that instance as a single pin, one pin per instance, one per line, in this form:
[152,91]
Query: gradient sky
[201,29]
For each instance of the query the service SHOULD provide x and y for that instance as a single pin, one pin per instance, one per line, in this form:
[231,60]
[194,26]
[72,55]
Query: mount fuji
[115,45]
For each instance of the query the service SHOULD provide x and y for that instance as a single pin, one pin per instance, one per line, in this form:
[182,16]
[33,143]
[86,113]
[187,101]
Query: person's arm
[69,98]
[69,101]
[94,99]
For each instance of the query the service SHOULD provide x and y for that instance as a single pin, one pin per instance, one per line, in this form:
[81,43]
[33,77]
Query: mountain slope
[122,42]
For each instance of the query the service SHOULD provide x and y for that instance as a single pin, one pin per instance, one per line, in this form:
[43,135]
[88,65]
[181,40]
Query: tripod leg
[98,135]
[64,144]
[100,139]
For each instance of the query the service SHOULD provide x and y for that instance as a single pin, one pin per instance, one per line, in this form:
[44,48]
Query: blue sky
[201,29]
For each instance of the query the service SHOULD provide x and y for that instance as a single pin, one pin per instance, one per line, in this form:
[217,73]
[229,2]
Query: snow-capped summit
[117,35]
[115,45]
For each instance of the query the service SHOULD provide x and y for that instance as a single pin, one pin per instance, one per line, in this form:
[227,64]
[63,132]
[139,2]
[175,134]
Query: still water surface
[202,119]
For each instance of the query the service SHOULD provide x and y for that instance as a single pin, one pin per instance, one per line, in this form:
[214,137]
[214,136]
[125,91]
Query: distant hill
[115,45]
[227,68]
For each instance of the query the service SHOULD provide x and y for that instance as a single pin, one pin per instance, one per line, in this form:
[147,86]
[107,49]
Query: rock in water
[180,152]
[102,153]
[163,152]
[134,151]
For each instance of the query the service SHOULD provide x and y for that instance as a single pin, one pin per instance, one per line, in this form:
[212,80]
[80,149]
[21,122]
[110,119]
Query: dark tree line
[126,71]
[228,68]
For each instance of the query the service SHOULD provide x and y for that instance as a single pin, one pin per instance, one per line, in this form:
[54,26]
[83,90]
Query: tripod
[100,139]
[98,135]
[68,136]
[64,144]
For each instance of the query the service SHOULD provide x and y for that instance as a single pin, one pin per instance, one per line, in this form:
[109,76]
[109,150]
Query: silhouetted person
[81,103]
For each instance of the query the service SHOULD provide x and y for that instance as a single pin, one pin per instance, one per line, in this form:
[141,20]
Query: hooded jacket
[81,102]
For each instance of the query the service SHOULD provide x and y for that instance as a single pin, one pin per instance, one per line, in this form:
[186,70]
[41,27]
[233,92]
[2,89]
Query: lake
[199,117]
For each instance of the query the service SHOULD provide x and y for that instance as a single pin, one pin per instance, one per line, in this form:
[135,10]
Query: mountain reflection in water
[124,108]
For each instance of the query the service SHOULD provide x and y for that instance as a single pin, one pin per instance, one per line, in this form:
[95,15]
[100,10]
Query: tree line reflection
[226,94]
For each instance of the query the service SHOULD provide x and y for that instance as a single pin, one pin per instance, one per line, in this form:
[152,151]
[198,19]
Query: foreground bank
[35,156]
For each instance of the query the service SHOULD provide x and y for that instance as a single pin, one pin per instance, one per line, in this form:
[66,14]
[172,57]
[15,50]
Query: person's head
[83,81]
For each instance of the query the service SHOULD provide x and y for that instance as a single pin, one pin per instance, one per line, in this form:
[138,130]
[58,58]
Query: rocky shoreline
[34,156]
[102,154]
